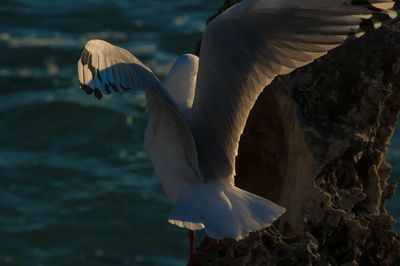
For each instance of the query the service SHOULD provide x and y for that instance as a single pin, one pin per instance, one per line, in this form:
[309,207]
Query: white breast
[174,172]
[169,160]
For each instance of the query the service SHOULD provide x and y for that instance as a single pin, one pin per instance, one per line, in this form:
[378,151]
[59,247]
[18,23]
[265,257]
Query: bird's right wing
[104,68]
[251,43]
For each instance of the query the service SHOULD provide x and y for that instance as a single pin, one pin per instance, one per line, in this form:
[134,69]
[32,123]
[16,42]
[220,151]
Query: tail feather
[225,211]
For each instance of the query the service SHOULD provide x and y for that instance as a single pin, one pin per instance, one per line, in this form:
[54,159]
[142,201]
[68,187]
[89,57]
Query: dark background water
[76,186]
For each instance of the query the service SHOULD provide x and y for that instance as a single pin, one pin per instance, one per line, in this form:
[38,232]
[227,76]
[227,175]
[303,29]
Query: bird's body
[198,115]
[169,164]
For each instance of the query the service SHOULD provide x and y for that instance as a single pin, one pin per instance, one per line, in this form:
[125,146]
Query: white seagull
[198,115]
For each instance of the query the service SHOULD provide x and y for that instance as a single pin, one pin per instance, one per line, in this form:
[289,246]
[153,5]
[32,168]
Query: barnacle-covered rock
[316,143]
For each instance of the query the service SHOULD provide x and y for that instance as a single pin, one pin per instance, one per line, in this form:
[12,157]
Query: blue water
[76,186]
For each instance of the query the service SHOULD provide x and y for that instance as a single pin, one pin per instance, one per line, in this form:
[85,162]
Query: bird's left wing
[104,69]
[251,43]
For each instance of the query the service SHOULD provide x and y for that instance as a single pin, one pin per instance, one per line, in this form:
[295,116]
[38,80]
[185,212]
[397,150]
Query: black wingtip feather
[378,15]
[98,94]
[84,56]
[86,89]
[124,88]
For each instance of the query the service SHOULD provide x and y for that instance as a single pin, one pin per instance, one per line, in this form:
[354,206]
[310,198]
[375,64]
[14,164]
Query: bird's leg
[191,247]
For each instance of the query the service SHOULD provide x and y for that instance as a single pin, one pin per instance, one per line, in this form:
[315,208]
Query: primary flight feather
[199,114]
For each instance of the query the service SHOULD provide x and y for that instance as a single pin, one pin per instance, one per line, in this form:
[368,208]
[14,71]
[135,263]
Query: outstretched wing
[251,43]
[104,68]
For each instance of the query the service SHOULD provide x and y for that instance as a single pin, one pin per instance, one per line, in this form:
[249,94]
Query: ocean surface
[76,186]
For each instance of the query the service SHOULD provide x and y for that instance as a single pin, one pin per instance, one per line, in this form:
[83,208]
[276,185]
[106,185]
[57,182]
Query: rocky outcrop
[315,143]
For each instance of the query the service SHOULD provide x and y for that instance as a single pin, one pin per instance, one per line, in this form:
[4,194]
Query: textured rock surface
[315,143]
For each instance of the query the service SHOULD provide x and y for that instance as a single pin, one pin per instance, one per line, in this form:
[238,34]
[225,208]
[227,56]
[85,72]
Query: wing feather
[104,68]
[251,43]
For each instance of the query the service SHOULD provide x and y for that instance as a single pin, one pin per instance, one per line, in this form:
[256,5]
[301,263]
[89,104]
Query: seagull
[197,115]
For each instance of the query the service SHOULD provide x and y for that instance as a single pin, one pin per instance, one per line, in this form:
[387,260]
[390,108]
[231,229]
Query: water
[76,187]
